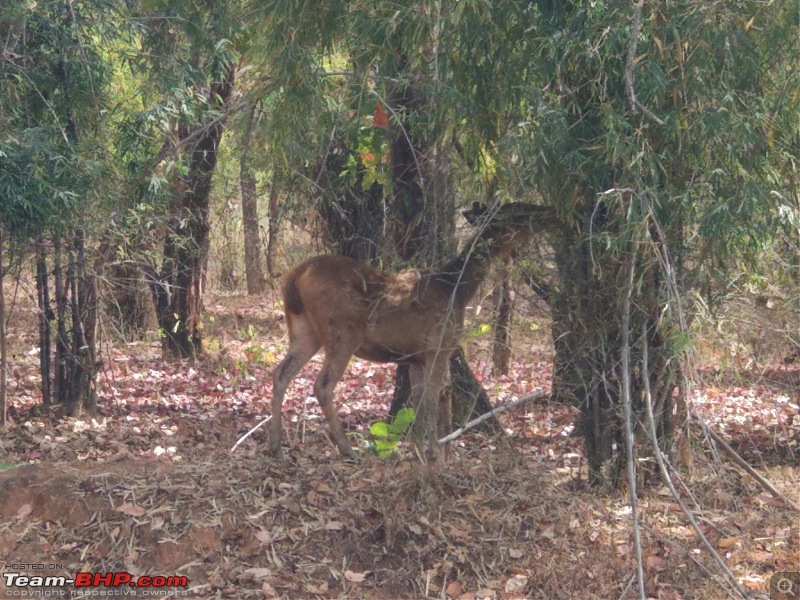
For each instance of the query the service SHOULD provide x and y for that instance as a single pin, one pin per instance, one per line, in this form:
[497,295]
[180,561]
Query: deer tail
[292,300]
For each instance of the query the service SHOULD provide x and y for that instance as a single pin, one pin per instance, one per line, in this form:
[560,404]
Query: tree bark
[254,274]
[273,226]
[588,345]
[501,337]
[45,330]
[3,339]
[186,244]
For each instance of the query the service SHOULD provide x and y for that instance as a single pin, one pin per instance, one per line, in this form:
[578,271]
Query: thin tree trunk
[62,343]
[252,240]
[501,337]
[273,226]
[86,304]
[45,331]
[74,371]
[3,340]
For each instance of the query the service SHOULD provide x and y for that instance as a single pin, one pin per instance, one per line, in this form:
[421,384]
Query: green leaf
[402,421]
[380,430]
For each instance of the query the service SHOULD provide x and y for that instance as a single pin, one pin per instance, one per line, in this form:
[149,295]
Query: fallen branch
[247,435]
[765,483]
[486,416]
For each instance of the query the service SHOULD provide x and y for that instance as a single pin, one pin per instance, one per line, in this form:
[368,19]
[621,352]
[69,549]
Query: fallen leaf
[131,510]
[317,589]
[268,591]
[729,542]
[354,577]
[655,562]
[516,584]
[548,529]
[264,536]
[255,574]
[453,589]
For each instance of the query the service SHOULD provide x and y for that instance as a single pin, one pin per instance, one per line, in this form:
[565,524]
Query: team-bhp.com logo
[89,584]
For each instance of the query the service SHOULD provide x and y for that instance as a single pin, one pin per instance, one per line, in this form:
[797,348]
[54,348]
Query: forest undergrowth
[150,485]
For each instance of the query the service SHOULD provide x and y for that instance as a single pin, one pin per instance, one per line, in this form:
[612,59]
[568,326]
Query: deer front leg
[331,373]
[432,375]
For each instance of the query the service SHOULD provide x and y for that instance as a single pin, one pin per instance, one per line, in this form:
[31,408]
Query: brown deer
[349,309]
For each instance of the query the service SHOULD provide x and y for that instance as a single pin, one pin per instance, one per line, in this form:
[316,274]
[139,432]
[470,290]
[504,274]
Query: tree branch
[636,28]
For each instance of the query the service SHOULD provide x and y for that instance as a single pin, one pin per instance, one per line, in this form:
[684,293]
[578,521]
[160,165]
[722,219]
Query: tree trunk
[273,226]
[421,226]
[351,216]
[252,239]
[60,382]
[586,313]
[501,337]
[3,340]
[85,324]
[186,244]
[469,399]
[45,331]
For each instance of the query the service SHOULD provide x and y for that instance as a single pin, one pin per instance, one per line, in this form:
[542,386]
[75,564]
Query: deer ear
[472,215]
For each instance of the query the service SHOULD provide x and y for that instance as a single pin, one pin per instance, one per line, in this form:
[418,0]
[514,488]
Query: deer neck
[466,272]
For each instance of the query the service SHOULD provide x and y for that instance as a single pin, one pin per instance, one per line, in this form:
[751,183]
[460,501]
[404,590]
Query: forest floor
[150,485]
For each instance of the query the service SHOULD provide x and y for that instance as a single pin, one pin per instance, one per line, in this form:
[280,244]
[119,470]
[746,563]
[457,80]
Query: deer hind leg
[303,344]
[331,373]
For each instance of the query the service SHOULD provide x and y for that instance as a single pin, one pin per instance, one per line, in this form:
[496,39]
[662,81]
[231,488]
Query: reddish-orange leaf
[381,119]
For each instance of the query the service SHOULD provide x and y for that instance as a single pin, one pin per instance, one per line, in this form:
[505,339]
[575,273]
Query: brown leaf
[729,542]
[268,591]
[131,510]
[655,562]
[453,589]
[380,119]
[516,584]
[255,574]
[548,529]
[354,577]
[319,590]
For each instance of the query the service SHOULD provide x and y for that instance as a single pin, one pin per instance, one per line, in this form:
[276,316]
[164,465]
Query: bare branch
[636,28]
[662,466]
[765,483]
[486,416]
[628,411]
